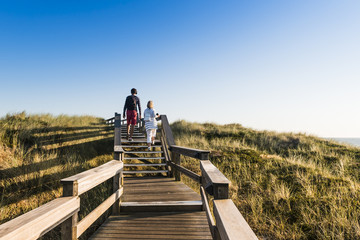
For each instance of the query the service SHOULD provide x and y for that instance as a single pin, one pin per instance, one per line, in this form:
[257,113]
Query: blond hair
[150,104]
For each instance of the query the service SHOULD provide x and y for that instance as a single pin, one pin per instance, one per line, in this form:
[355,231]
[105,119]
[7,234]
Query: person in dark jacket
[132,102]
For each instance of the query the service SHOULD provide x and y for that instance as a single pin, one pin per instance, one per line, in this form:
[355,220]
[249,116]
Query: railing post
[213,181]
[117,134]
[117,182]
[175,157]
[68,227]
[118,155]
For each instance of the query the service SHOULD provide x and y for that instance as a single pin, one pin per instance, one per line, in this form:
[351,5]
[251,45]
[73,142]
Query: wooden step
[140,146]
[135,136]
[143,152]
[173,206]
[136,141]
[145,158]
[145,171]
[144,164]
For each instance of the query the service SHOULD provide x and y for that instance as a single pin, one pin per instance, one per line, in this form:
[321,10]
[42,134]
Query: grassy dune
[36,151]
[287,186]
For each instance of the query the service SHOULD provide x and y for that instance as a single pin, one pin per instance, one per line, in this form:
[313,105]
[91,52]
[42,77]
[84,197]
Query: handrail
[214,182]
[190,152]
[39,221]
[64,210]
[226,214]
[89,179]
[229,223]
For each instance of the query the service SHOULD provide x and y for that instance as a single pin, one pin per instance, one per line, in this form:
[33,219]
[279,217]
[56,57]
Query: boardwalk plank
[152,225]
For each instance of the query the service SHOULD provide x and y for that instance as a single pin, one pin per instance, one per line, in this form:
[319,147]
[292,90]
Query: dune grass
[286,185]
[36,151]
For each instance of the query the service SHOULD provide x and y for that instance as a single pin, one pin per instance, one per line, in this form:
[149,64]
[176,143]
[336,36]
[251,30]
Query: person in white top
[150,124]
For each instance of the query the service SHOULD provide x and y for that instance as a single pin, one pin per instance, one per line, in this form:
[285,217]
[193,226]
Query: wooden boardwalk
[153,207]
[148,199]
[157,208]
[155,225]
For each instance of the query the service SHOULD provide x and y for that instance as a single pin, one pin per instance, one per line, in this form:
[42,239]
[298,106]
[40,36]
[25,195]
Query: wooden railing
[64,210]
[228,223]
[110,121]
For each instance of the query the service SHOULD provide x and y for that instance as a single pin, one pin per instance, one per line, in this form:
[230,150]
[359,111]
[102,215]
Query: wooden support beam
[190,152]
[206,208]
[175,157]
[117,134]
[187,172]
[86,222]
[230,223]
[166,155]
[214,182]
[119,152]
[68,227]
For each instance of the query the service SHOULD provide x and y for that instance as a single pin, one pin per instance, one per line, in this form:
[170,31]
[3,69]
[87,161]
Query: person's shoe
[149,148]
[130,140]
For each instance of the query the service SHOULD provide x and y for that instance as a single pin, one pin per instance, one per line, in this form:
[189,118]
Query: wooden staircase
[138,160]
[145,204]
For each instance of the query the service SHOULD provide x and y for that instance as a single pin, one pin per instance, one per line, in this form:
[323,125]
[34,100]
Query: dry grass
[36,151]
[287,186]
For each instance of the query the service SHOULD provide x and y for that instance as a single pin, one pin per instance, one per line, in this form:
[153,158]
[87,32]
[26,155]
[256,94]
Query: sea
[351,141]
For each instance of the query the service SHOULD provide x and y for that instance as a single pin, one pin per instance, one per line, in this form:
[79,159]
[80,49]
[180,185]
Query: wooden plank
[144,164]
[110,236]
[116,186]
[167,130]
[93,177]
[155,225]
[145,171]
[118,148]
[117,133]
[187,172]
[109,119]
[190,152]
[143,152]
[139,158]
[215,179]
[175,158]
[139,146]
[165,154]
[86,222]
[137,141]
[206,208]
[163,206]
[39,221]
[230,223]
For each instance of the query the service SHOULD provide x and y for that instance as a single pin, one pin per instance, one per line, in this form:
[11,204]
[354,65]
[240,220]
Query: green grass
[286,185]
[36,151]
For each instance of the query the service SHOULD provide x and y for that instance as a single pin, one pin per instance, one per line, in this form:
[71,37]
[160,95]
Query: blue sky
[276,65]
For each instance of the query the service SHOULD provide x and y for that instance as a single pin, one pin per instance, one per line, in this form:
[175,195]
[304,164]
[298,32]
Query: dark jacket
[129,104]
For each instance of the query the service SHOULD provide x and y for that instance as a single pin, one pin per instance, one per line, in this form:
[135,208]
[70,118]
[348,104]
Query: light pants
[150,133]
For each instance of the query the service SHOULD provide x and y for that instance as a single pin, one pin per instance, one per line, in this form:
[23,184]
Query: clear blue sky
[277,65]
